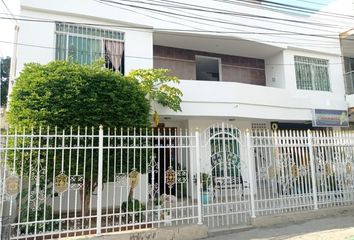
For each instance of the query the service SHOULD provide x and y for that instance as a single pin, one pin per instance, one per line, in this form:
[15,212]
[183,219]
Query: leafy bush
[132,211]
[65,94]
[37,214]
[205,180]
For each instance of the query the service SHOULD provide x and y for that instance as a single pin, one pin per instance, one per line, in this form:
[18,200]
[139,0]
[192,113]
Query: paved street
[334,228]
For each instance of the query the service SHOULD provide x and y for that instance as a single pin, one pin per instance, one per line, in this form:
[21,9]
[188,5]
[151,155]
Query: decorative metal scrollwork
[37,198]
[170,177]
[120,179]
[349,168]
[182,176]
[133,178]
[76,182]
[303,170]
[61,183]
[294,171]
[272,172]
[153,190]
[328,169]
[263,173]
[12,185]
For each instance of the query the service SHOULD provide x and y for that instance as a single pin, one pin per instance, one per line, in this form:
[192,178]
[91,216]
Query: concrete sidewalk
[331,228]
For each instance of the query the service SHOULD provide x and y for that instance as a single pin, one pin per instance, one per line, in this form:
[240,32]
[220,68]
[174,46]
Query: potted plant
[167,202]
[205,181]
[133,211]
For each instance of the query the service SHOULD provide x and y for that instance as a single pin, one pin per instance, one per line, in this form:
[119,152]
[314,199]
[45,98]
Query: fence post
[100,181]
[251,173]
[313,170]
[199,187]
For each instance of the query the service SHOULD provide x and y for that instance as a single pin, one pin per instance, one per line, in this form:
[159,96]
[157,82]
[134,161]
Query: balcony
[230,78]
[239,100]
[214,58]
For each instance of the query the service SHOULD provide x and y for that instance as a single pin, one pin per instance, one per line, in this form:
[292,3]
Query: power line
[199,8]
[165,29]
[8,9]
[224,22]
[187,31]
[198,31]
[281,21]
[281,32]
[277,33]
[132,56]
[185,6]
[201,31]
[284,6]
[290,9]
[312,2]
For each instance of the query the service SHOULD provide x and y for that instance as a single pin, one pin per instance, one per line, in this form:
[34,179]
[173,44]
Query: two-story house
[238,62]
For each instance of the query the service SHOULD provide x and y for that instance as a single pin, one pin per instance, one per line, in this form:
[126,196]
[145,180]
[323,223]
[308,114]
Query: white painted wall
[36,43]
[317,99]
[275,76]
[113,195]
[350,100]
[217,99]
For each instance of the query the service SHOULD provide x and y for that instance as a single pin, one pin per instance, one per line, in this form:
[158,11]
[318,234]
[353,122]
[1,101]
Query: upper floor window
[207,68]
[312,73]
[86,44]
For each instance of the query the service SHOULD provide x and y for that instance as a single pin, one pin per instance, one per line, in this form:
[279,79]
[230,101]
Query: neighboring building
[345,10]
[241,67]
[347,39]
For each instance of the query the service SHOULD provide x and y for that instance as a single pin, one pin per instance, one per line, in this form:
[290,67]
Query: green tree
[4,79]
[157,85]
[63,94]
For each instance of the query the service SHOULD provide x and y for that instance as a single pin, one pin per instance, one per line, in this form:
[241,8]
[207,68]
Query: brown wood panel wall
[181,62]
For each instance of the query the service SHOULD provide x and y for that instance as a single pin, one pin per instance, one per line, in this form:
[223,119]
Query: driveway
[332,228]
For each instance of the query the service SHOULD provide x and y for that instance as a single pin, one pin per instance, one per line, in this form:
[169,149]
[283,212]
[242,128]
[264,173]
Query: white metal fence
[302,170]
[94,181]
[62,184]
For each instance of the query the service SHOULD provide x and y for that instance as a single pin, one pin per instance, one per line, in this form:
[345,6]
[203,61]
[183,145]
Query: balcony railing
[349,82]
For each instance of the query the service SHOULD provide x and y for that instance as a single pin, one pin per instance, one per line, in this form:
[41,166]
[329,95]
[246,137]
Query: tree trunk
[85,202]
[86,198]
[131,193]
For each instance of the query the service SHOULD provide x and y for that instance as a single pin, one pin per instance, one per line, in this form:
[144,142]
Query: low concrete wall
[183,232]
[265,221]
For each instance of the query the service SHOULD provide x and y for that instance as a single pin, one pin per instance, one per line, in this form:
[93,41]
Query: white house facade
[239,63]
[242,65]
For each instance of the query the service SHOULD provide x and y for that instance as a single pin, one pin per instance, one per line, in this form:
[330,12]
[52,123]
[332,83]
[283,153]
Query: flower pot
[205,197]
[168,219]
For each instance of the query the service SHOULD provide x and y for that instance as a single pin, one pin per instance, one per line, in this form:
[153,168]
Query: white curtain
[114,52]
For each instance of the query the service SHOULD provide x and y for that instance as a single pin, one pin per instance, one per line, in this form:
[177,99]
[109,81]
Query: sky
[7,26]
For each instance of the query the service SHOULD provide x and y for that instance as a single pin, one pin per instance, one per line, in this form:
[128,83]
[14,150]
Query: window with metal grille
[312,73]
[258,126]
[84,45]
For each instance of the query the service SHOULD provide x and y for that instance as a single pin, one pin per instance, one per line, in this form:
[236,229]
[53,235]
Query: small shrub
[37,214]
[132,211]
